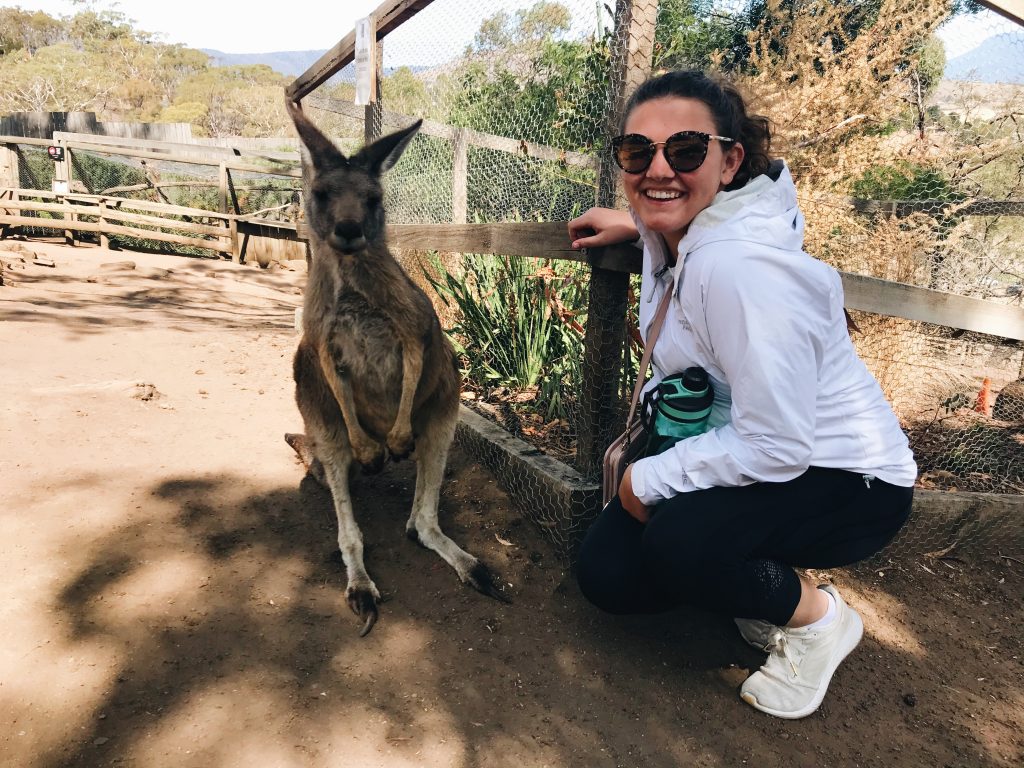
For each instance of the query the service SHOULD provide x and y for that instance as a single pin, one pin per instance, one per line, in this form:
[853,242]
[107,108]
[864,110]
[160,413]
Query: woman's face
[665,200]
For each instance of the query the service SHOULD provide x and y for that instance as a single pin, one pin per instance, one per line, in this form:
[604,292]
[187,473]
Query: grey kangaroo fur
[373,372]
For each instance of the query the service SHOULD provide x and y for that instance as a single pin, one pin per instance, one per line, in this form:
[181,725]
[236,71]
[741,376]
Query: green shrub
[510,332]
[904,181]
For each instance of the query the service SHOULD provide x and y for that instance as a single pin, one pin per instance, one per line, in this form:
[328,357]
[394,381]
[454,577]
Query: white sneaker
[756,632]
[793,681]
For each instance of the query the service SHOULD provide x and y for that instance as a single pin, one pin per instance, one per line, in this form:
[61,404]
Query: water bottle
[678,407]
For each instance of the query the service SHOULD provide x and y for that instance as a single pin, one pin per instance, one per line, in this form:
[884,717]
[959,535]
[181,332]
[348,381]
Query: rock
[112,266]
[43,261]
[143,391]
[1009,405]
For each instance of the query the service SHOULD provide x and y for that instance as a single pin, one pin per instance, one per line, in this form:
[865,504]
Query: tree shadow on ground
[222,616]
[84,298]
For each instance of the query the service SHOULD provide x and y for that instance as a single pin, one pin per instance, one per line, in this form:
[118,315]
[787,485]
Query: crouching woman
[805,464]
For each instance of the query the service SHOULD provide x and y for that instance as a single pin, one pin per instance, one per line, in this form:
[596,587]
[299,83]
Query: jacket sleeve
[764,324]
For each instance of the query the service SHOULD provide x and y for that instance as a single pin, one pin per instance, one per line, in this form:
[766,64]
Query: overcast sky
[254,26]
[258,26]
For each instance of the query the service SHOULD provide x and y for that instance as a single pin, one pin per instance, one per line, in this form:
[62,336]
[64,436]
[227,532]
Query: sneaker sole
[850,640]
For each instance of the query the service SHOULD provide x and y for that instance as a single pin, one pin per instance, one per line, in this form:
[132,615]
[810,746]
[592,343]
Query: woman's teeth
[663,194]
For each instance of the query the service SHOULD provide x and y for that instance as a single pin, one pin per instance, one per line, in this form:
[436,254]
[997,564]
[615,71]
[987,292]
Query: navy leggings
[732,550]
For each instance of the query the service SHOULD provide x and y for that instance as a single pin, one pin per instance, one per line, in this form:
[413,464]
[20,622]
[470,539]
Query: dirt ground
[171,596]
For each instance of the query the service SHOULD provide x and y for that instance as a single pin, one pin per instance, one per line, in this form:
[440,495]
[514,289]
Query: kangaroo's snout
[348,236]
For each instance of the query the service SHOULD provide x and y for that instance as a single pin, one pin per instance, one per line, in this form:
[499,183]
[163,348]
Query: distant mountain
[290,63]
[999,59]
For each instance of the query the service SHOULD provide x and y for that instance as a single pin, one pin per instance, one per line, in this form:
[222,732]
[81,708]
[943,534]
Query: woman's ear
[731,163]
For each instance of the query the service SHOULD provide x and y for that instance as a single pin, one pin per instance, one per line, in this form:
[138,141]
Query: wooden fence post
[373,115]
[223,187]
[62,184]
[605,339]
[9,177]
[104,237]
[460,177]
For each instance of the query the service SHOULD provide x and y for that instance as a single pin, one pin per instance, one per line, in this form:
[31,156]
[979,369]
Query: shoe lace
[778,643]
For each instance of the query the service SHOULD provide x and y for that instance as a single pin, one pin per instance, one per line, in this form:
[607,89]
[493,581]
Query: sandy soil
[171,596]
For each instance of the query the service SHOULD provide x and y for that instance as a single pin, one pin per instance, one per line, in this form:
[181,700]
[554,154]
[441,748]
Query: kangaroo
[374,373]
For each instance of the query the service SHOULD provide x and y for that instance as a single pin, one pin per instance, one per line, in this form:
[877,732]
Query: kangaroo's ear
[318,150]
[385,151]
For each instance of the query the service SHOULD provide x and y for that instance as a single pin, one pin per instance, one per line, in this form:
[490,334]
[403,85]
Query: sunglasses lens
[633,154]
[686,153]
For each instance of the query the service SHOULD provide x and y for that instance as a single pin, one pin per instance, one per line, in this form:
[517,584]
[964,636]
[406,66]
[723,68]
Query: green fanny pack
[679,407]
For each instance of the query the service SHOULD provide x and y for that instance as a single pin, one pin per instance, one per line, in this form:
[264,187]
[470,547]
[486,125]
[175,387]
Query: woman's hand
[628,499]
[602,226]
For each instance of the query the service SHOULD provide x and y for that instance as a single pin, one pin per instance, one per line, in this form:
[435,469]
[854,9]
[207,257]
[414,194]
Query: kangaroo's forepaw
[400,445]
[370,456]
[482,579]
[363,602]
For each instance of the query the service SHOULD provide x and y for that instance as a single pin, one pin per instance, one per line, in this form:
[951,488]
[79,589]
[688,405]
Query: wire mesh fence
[903,174]
[902,133]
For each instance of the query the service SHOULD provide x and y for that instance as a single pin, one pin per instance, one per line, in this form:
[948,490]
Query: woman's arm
[602,226]
[767,321]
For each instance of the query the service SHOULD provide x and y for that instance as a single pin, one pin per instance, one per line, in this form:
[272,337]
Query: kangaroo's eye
[373,201]
[320,194]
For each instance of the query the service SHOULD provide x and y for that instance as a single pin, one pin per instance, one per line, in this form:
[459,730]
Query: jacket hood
[764,211]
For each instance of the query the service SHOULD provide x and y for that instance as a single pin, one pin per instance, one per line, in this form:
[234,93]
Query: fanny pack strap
[652,338]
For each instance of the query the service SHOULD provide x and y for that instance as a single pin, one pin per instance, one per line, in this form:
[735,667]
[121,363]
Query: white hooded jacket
[766,321]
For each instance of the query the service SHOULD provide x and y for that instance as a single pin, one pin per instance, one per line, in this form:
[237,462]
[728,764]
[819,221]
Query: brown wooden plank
[116,214]
[104,238]
[9,175]
[114,229]
[176,147]
[460,178]
[116,203]
[544,240]
[883,297]
[25,140]
[274,167]
[122,203]
[389,16]
[1008,9]
[281,230]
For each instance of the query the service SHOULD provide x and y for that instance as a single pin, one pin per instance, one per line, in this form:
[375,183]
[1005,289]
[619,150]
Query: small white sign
[364,74]
[60,187]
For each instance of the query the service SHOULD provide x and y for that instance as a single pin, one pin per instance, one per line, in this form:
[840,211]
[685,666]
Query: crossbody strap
[652,338]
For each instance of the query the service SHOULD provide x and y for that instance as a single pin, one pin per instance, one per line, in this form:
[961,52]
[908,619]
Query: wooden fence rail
[98,214]
[546,240]
[550,240]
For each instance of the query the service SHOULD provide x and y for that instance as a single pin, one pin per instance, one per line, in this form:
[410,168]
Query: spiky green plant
[508,331]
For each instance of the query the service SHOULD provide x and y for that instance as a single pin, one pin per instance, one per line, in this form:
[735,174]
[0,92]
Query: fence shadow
[87,292]
[222,618]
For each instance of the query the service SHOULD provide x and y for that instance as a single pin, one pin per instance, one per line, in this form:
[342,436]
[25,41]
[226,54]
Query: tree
[521,80]
[58,78]
[27,31]
[528,26]
[240,101]
[692,34]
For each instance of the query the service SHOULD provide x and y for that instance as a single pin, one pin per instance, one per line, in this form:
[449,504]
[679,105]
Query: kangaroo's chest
[363,343]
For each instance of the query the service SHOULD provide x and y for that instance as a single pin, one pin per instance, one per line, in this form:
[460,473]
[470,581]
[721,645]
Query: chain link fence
[901,129]
[903,173]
